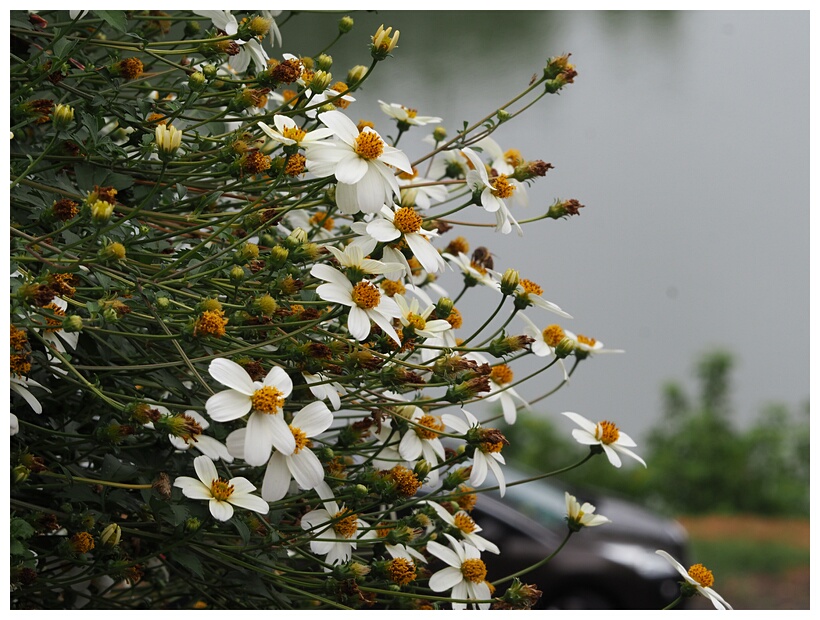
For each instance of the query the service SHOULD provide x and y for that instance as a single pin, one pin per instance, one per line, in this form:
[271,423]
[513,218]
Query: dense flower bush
[239,373]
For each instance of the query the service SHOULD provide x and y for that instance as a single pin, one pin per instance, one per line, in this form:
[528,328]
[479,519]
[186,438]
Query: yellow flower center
[18,338]
[702,575]
[406,481]
[586,340]
[411,113]
[488,447]
[321,218]
[289,96]
[401,571]
[267,399]
[427,425]
[369,145]
[347,524]
[415,321]
[366,295]
[474,570]
[464,522]
[454,319]
[211,322]
[294,133]
[221,489]
[553,334]
[467,501]
[501,374]
[502,188]
[513,157]
[407,220]
[606,432]
[479,268]
[391,287]
[530,287]
[301,439]
[382,530]
[295,165]
[408,176]
[54,322]
[20,365]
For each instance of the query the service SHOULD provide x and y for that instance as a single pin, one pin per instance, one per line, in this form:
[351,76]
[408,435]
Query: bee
[482,257]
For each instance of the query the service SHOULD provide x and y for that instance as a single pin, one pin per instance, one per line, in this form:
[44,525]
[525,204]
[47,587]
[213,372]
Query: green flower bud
[197,81]
[237,274]
[111,535]
[62,116]
[444,307]
[192,524]
[72,323]
[163,303]
[356,74]
[439,133]
[324,61]
[565,348]
[503,115]
[209,71]
[509,282]
[345,24]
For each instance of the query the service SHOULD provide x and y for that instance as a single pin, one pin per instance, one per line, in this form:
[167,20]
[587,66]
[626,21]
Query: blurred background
[686,137]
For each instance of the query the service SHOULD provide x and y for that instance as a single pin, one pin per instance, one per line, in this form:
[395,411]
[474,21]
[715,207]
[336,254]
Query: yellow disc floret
[407,220]
[294,133]
[501,374]
[321,218]
[474,570]
[415,321]
[55,323]
[427,427]
[347,524]
[702,575]
[530,287]
[301,439]
[369,145]
[606,432]
[221,489]
[392,287]
[212,323]
[464,522]
[502,188]
[553,334]
[590,342]
[267,399]
[366,295]
[401,571]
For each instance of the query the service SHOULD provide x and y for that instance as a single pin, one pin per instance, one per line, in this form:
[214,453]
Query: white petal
[410,447]
[235,443]
[232,375]
[358,323]
[306,469]
[424,251]
[277,478]
[250,502]
[445,554]
[371,191]
[580,421]
[313,419]
[383,230]
[192,488]
[445,579]
[335,294]
[342,126]
[279,379]
[227,405]
[205,470]
[611,455]
[350,169]
[282,438]
[259,438]
[221,511]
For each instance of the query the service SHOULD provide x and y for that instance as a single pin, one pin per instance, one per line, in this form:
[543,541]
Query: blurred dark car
[611,566]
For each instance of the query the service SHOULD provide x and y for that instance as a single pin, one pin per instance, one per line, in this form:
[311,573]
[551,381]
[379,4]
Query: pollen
[455,319]
[341,88]
[411,113]
[82,542]
[465,523]
[553,335]
[347,524]
[392,287]
[513,157]
[295,165]
[702,575]
[474,570]
[130,68]
[369,145]
[606,432]
[590,342]
[409,176]
[467,501]
[321,218]
[478,267]
[221,489]
[18,338]
[502,188]
[406,481]
[457,246]
[416,321]
[62,283]
[490,447]
[363,123]
[56,321]
[294,133]
[427,427]
[407,220]
[530,287]
[301,439]
[254,162]
[366,295]
[267,399]
[211,323]
[65,209]
[19,365]
[501,374]
[401,571]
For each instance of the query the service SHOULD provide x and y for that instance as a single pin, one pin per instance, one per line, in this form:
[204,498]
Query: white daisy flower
[419,191]
[404,551]
[353,258]
[222,20]
[364,299]
[412,316]
[335,531]
[450,164]
[250,51]
[408,116]
[264,400]
[301,464]
[210,447]
[21,386]
[360,161]
[465,574]
[585,345]
[274,35]
[286,131]
[528,293]
[473,272]
[466,526]
[421,440]
[544,340]
[222,495]
[405,222]
[493,193]
[487,455]
[54,333]
[604,434]
[699,578]
[323,390]
[579,516]
[501,377]
[503,162]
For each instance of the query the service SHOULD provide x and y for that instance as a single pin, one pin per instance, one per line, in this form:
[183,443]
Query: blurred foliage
[699,461]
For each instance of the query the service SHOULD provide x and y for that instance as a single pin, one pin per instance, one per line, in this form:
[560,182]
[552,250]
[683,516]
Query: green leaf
[62,48]
[20,528]
[242,529]
[115,18]
[113,469]
[188,560]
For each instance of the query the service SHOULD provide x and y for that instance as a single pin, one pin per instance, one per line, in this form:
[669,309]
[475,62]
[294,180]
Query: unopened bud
[20,474]
[237,274]
[509,282]
[444,307]
[345,24]
[320,81]
[72,323]
[278,256]
[111,535]
[510,344]
[324,62]
[503,115]
[564,208]
[113,251]
[356,74]
[101,211]
[62,116]
[209,71]
[296,238]
[565,348]
[439,133]
[197,81]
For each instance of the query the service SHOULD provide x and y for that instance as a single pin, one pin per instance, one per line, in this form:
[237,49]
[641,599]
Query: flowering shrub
[238,379]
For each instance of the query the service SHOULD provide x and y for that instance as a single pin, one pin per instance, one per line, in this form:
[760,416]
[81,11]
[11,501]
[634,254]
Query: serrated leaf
[116,19]
[62,48]
[20,528]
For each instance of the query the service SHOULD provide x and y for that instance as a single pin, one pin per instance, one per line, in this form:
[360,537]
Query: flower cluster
[227,290]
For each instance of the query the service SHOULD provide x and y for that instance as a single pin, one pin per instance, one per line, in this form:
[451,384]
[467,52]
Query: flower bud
[192,524]
[113,251]
[356,74]
[444,307]
[237,274]
[168,139]
[509,282]
[320,81]
[564,208]
[197,81]
[422,469]
[163,303]
[383,42]
[345,24]
[360,490]
[278,256]
[324,62]
[502,345]
[209,71]
[296,238]
[72,323]
[101,211]
[439,133]
[265,304]
[503,115]
[111,535]
[62,116]
[20,474]
[565,348]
